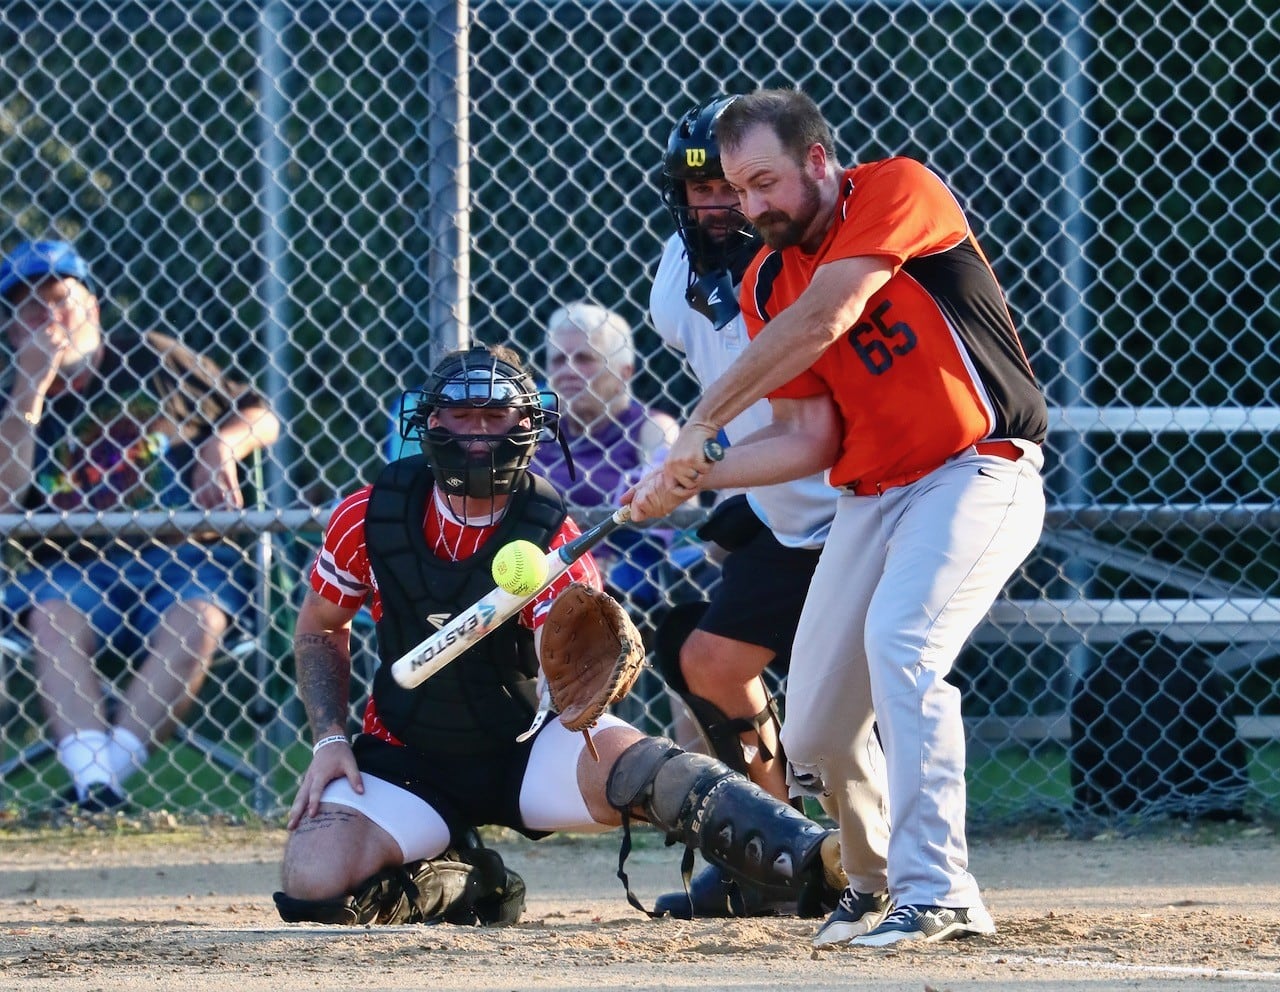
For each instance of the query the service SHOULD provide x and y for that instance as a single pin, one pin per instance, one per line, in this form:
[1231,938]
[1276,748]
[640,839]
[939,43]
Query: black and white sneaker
[927,923]
[856,914]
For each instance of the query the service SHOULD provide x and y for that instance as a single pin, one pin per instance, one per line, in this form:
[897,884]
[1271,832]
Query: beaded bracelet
[332,739]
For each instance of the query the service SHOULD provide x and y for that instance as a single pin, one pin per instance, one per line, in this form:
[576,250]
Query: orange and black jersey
[934,364]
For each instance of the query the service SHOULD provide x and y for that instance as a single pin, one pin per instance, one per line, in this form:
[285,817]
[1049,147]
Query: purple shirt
[606,462]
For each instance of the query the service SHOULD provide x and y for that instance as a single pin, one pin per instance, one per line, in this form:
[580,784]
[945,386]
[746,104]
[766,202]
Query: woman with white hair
[612,437]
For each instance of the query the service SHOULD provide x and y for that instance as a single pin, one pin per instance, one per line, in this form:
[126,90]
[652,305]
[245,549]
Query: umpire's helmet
[693,154]
[481,377]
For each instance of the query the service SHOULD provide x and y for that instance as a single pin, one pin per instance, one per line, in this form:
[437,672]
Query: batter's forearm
[767,462]
[802,439]
[323,664]
[787,346]
[796,338]
[767,364]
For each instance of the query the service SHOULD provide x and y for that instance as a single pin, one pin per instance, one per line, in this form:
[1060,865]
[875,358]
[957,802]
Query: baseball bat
[493,609]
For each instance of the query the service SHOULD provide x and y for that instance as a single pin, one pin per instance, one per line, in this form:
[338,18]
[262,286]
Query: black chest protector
[479,703]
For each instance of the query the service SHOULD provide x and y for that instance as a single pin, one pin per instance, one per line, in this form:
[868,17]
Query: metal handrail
[183,522]
[1163,516]
[163,523]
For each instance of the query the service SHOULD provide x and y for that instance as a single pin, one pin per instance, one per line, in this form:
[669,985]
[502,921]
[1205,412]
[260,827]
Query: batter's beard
[793,228]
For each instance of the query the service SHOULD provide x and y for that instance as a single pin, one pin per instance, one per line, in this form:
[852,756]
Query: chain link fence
[320,197]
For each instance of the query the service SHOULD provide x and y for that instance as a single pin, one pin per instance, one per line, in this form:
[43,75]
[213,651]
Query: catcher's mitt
[591,654]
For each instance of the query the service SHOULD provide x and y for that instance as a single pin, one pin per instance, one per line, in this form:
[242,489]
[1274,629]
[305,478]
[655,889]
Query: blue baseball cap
[33,260]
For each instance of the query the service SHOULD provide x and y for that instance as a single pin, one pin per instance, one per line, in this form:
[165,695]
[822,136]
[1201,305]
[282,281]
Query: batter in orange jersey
[934,364]
[882,340]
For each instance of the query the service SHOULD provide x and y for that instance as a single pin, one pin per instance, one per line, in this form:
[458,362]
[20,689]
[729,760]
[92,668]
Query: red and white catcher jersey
[341,572]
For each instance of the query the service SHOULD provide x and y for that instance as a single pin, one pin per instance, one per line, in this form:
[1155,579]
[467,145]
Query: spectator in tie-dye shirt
[115,422]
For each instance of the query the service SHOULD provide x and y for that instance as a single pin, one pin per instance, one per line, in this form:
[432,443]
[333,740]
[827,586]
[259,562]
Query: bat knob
[713,450]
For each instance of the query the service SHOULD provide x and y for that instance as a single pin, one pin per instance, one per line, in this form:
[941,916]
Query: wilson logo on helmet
[695,158]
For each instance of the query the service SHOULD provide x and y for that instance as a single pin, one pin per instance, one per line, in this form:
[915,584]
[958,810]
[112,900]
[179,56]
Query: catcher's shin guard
[738,827]
[468,888]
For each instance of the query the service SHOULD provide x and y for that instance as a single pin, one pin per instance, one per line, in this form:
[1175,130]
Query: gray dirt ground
[191,909]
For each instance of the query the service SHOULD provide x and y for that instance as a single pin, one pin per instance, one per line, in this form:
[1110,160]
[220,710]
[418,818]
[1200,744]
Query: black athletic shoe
[98,798]
[712,895]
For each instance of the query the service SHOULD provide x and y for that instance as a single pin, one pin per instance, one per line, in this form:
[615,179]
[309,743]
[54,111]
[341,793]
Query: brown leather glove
[591,654]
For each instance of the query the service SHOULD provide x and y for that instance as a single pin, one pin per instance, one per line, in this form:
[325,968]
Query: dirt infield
[191,909]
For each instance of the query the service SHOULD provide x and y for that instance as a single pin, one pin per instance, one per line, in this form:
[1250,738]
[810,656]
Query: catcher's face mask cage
[717,257]
[479,465]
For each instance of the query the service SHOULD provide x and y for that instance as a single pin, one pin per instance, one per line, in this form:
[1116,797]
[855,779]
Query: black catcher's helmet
[716,262]
[479,377]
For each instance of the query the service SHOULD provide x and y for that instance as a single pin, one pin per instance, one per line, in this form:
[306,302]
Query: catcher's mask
[717,259]
[481,466]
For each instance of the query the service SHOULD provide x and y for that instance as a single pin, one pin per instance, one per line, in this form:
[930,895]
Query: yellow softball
[519,569]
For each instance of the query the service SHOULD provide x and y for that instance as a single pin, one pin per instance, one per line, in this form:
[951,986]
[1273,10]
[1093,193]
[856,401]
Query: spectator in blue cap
[115,422]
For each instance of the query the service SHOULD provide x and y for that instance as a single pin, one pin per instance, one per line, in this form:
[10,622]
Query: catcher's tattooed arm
[322,658]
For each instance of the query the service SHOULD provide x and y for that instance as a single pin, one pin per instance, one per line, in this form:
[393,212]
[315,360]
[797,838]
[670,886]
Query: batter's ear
[816,161]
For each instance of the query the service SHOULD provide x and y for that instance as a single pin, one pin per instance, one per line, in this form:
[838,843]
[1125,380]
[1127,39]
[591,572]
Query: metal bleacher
[1241,623]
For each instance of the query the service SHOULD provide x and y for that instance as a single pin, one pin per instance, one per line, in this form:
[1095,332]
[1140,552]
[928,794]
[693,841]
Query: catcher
[383,826]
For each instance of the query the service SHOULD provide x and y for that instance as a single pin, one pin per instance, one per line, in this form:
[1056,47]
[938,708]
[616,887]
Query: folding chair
[247,647]
[244,648]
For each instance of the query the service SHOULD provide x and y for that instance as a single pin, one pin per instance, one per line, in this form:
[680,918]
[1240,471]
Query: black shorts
[761,592]
[467,791]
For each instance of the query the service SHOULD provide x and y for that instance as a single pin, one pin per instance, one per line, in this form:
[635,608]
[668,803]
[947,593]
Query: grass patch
[1032,781]
[1007,786]
[1264,773]
[1019,778]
